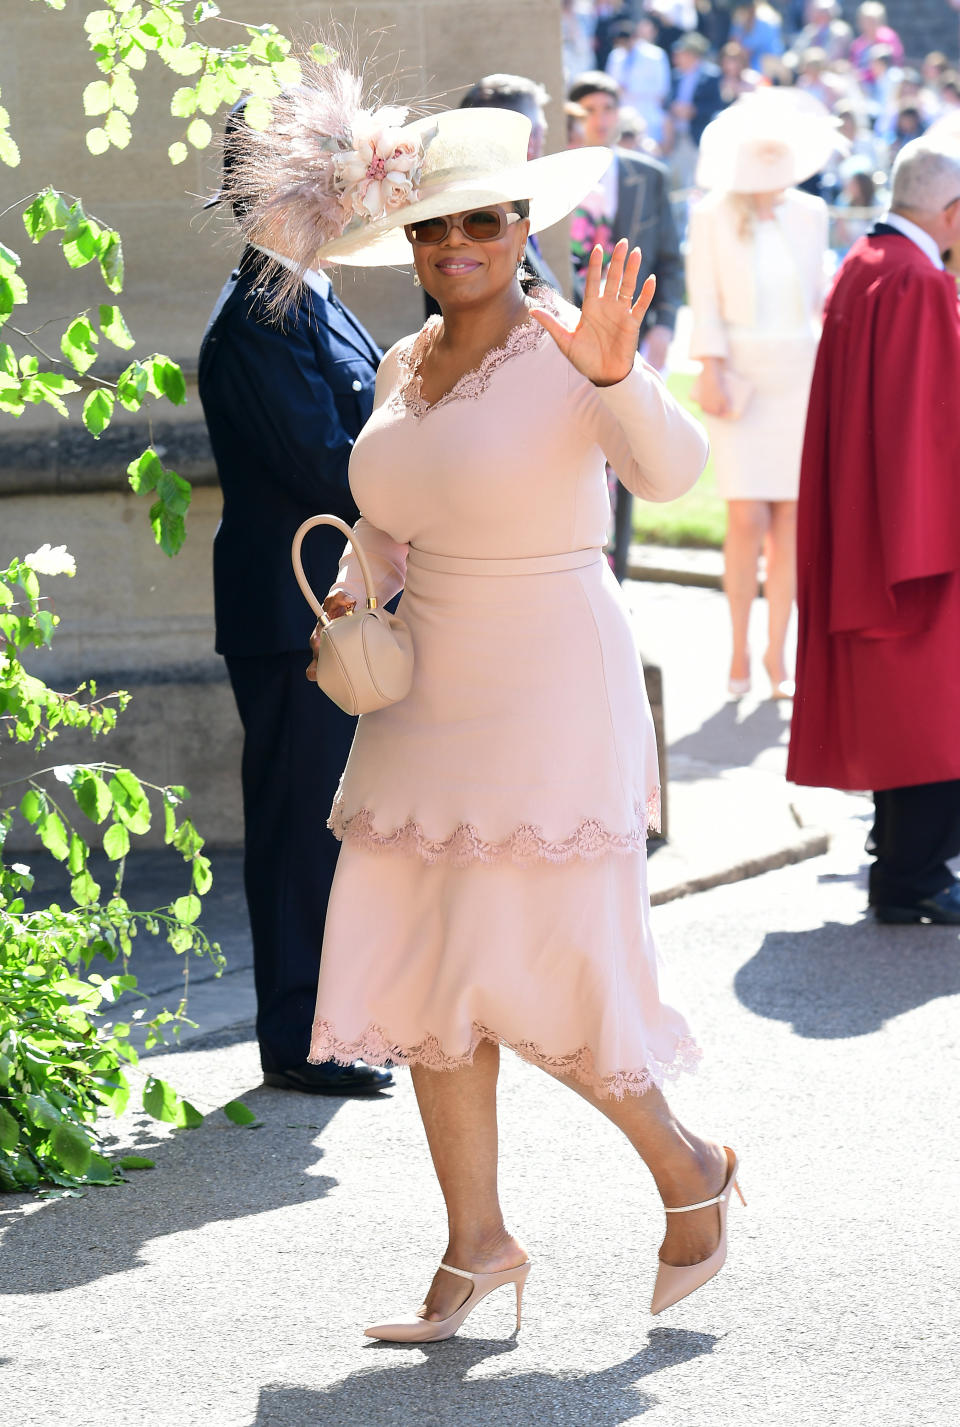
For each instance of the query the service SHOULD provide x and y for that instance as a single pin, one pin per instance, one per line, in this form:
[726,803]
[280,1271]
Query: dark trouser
[622,531]
[916,832]
[294,749]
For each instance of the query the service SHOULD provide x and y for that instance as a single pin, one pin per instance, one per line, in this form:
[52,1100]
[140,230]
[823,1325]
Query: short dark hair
[594,81]
[505,91]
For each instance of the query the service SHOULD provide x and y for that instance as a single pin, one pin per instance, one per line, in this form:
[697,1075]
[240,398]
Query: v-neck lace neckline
[523,337]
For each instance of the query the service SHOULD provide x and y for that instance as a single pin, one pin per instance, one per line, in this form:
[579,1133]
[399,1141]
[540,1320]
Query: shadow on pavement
[437,1392]
[726,740]
[839,980]
[218,1171]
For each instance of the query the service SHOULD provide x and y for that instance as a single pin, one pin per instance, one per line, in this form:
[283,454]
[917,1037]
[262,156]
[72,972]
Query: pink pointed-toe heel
[676,1281]
[413,1329]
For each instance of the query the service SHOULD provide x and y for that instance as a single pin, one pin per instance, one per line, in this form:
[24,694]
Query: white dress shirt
[314,279]
[923,240]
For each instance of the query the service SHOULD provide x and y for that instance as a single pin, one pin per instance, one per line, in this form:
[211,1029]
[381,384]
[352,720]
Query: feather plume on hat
[326,164]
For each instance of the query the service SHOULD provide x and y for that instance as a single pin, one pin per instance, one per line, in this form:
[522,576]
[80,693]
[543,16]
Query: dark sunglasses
[480,225]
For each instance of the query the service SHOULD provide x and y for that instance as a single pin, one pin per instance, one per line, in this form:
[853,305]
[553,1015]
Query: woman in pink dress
[491,885]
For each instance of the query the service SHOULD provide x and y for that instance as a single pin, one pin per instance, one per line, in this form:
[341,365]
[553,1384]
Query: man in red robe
[878,663]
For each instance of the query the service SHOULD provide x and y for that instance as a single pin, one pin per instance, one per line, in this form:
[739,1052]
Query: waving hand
[603,345]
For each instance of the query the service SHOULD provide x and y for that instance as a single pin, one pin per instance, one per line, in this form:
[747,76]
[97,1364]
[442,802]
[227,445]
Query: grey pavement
[229,1286]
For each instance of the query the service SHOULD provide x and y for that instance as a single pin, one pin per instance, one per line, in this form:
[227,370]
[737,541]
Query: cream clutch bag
[740,393]
[365,659]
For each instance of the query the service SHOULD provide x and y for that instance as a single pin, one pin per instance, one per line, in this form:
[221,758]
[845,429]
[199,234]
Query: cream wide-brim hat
[474,157]
[767,141]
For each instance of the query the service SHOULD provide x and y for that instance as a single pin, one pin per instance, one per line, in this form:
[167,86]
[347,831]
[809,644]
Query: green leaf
[41,1113]
[183,103]
[169,530]
[258,112]
[32,805]
[124,92]
[114,328]
[131,389]
[47,213]
[177,153]
[8,360]
[116,842]
[53,835]
[77,855]
[84,890]
[111,261]
[96,98]
[9,151]
[72,1148]
[239,1113]
[98,142]
[175,492]
[145,471]
[188,1116]
[173,384]
[97,411]
[199,133]
[187,909]
[160,1100]
[186,60]
[92,795]
[99,1171]
[131,804]
[117,128]
[79,344]
[136,1161]
[9,1130]
[202,876]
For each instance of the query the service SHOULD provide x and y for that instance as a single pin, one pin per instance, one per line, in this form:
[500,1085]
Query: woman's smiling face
[460,270]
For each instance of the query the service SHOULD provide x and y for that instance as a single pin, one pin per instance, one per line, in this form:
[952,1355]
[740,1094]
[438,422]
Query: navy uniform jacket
[283,408]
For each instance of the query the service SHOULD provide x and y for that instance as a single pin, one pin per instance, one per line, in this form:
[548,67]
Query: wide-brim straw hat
[474,157]
[767,141]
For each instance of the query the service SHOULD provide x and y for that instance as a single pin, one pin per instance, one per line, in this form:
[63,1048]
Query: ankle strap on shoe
[688,1208]
[460,1272]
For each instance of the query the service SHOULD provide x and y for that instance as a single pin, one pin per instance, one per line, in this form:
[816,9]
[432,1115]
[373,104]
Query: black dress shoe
[330,1078]
[942,908]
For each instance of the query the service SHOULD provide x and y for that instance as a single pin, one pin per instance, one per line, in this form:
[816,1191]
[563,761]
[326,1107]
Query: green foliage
[64,1059]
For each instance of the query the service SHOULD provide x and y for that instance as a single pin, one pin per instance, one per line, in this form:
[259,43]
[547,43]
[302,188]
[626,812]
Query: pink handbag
[365,658]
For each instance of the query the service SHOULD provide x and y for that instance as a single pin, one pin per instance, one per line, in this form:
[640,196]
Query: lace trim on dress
[523,338]
[524,845]
[376,1048]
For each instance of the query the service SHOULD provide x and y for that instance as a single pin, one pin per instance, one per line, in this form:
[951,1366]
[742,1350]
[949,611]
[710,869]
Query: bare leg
[781,584]
[685,1168]
[747,524]
[459,1112]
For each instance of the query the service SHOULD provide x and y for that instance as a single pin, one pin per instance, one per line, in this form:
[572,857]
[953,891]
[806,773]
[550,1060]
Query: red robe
[878,660]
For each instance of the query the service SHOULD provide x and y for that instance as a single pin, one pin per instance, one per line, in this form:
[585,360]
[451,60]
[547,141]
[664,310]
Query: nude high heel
[676,1281]
[413,1329]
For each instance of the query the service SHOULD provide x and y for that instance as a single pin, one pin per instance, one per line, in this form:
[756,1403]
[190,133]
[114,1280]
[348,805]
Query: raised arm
[656,448]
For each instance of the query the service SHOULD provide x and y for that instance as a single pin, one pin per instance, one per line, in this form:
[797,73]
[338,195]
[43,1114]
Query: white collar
[920,236]
[314,279]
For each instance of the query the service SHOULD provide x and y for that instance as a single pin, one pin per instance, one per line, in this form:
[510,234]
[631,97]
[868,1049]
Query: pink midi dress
[491,882]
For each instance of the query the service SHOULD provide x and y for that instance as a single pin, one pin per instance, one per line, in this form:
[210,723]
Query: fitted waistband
[529,565]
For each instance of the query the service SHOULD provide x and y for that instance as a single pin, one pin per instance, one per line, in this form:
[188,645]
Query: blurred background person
[736,76]
[873,30]
[695,99]
[642,72]
[857,204]
[755,279]
[578,28]
[759,29]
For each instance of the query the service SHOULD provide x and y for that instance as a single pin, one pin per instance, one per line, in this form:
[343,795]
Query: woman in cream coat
[755,278]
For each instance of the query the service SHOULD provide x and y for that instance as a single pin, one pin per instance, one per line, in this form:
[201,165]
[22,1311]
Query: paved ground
[229,1286]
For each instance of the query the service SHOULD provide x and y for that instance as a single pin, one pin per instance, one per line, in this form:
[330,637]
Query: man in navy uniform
[284,404]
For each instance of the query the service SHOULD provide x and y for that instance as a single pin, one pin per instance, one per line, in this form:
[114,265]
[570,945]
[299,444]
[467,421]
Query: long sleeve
[708,337]
[387,557]
[657,449]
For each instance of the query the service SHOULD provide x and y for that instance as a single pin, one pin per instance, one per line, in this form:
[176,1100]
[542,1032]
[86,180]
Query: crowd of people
[677,63]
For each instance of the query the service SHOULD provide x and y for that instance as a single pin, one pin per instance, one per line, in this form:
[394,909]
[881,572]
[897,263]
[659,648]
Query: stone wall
[131,615]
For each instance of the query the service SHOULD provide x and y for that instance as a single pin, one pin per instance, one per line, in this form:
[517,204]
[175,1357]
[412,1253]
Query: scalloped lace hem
[526,844]
[376,1048]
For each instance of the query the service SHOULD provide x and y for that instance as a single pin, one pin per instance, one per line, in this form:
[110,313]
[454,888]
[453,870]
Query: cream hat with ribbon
[332,179]
[767,141]
[474,157]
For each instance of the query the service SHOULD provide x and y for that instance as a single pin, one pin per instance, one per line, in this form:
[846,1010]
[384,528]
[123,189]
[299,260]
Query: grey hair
[926,176]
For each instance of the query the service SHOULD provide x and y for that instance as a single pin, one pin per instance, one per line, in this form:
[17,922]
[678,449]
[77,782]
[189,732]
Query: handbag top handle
[302,580]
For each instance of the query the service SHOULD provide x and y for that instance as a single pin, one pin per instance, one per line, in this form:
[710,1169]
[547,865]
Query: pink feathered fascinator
[327,164]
